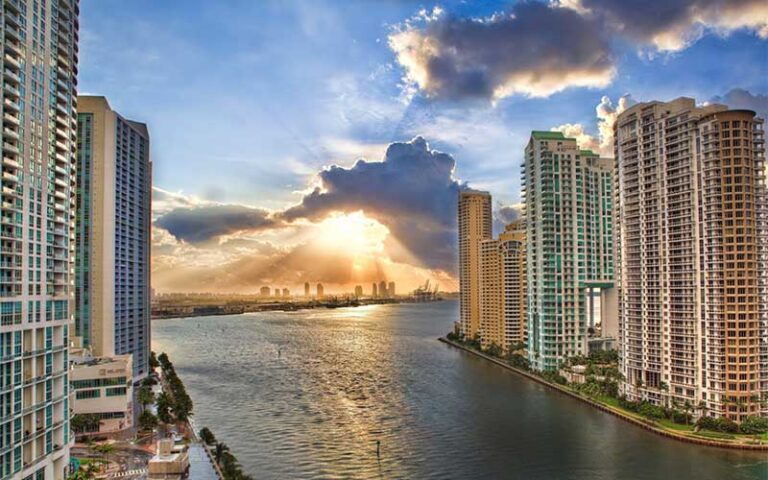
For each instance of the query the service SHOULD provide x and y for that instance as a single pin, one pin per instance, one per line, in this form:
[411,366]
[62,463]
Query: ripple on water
[307,394]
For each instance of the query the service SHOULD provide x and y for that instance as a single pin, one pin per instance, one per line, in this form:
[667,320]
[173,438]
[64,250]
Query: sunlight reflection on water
[307,394]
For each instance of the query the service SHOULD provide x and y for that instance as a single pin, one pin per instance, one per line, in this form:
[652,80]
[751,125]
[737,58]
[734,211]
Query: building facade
[37,207]
[320,291]
[512,257]
[475,225]
[103,391]
[569,243]
[490,300]
[114,214]
[691,257]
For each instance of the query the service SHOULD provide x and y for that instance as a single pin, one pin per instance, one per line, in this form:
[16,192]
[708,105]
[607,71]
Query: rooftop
[548,135]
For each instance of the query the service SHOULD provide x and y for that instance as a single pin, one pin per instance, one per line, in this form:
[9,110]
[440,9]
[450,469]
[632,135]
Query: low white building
[103,386]
[170,463]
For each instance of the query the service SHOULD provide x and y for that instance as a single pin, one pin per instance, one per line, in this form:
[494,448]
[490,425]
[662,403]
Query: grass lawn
[666,423]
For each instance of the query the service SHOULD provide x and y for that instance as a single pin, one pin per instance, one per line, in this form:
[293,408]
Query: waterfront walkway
[200,467]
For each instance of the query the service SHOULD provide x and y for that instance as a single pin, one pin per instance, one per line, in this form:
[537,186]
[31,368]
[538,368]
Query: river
[307,395]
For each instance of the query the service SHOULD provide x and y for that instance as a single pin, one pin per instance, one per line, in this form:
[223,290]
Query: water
[307,394]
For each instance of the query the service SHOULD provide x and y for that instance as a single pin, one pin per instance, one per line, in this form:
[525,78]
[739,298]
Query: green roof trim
[587,153]
[547,135]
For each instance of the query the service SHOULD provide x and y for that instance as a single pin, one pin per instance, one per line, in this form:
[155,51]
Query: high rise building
[490,294]
[569,243]
[306,289]
[265,291]
[512,257]
[37,208]
[114,214]
[286,293]
[358,291]
[320,291]
[502,288]
[475,224]
[383,289]
[692,256]
[374,291]
[391,289]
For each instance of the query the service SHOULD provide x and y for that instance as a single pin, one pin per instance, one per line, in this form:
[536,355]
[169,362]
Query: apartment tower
[475,225]
[114,214]
[512,256]
[37,211]
[569,243]
[692,257]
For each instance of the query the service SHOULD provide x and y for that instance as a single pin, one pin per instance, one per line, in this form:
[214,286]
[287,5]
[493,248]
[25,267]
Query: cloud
[412,192]
[673,25]
[738,98]
[606,113]
[504,214]
[535,50]
[203,223]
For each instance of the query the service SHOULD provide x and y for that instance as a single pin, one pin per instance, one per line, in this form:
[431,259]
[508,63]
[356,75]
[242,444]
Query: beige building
[114,181]
[474,223]
[490,294]
[103,386]
[37,211]
[502,288]
[692,256]
[512,249]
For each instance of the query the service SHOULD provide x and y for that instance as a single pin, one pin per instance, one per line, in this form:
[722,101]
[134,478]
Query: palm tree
[218,453]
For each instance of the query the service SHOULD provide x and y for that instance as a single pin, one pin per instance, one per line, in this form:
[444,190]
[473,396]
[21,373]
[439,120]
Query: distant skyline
[259,111]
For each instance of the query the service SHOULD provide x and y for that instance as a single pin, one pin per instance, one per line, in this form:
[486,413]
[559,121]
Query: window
[86,394]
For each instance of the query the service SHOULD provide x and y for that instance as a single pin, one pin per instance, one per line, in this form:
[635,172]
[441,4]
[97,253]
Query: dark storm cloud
[534,49]
[675,24]
[540,48]
[738,98]
[203,223]
[412,192]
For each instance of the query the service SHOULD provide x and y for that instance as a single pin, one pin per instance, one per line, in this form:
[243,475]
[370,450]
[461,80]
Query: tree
[149,382]
[147,420]
[219,451]
[207,436]
[754,424]
[85,423]
[493,350]
[153,363]
[163,404]
[145,396]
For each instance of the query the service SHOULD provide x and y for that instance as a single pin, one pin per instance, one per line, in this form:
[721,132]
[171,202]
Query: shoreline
[611,410]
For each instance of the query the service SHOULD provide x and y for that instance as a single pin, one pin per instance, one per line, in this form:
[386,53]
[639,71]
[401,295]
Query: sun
[353,233]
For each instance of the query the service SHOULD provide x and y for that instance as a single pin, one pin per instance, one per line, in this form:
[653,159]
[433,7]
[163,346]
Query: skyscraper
[569,243]
[490,294]
[502,288]
[475,225]
[374,290]
[512,257]
[358,291]
[320,291]
[692,256]
[391,289]
[37,206]
[114,213]
[306,289]
[383,289]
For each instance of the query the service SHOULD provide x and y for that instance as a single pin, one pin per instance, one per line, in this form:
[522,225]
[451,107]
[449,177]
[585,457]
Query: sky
[326,141]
